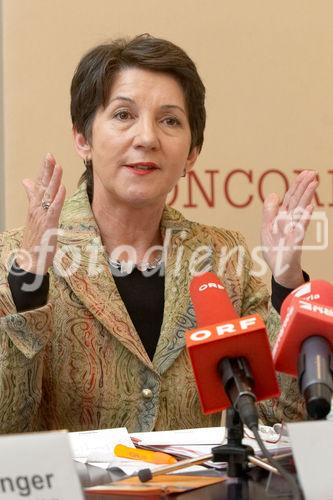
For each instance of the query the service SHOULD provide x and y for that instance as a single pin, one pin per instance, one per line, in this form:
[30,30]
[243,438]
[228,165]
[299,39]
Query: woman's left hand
[283,229]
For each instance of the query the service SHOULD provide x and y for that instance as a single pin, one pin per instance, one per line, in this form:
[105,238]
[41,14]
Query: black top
[279,292]
[143,297]
[144,301]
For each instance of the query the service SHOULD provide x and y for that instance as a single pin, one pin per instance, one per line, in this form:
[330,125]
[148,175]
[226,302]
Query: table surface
[260,486]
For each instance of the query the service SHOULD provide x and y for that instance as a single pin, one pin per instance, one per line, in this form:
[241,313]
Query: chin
[144,199]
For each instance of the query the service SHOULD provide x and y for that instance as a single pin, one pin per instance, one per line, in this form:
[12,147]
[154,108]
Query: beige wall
[268,69]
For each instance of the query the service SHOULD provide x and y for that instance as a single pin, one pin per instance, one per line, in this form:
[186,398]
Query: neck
[138,228]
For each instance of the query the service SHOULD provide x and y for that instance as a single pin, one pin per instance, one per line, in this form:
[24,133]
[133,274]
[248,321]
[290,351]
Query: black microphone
[315,376]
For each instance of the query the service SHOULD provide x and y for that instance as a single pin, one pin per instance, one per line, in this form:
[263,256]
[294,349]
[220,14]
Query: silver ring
[46,205]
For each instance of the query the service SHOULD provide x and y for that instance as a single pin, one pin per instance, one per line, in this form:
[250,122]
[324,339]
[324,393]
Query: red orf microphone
[304,345]
[227,347]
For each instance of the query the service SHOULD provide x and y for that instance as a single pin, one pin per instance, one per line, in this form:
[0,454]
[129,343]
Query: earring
[87,162]
[184,172]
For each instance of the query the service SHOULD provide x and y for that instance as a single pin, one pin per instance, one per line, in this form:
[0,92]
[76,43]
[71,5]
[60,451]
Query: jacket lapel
[178,310]
[90,277]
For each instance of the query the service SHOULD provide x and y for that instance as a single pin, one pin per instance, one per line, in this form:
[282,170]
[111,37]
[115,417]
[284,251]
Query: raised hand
[283,229]
[46,197]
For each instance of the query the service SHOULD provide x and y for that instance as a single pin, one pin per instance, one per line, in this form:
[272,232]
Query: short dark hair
[91,84]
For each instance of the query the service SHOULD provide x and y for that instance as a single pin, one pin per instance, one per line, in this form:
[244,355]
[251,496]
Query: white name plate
[312,445]
[38,466]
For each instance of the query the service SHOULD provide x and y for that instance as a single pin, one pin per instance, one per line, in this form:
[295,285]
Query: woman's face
[141,140]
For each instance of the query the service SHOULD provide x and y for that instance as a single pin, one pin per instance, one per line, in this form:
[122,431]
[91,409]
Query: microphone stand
[236,454]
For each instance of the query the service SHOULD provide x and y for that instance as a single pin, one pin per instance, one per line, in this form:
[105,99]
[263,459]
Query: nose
[146,134]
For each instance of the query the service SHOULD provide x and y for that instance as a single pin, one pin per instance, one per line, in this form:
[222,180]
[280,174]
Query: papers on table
[183,437]
[97,447]
[195,442]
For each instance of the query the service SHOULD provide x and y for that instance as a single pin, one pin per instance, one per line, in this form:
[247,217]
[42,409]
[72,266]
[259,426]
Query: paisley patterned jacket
[77,363]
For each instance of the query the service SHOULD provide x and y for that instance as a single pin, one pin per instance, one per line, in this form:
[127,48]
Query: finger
[297,228]
[306,215]
[49,164]
[297,190]
[298,205]
[54,184]
[291,191]
[57,204]
[44,176]
[307,196]
[303,195]
[296,183]
[270,209]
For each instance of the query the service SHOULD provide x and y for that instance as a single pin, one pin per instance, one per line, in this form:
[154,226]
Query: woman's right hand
[39,242]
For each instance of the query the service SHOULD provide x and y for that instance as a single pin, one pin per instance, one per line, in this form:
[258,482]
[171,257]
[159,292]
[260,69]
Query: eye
[171,121]
[122,115]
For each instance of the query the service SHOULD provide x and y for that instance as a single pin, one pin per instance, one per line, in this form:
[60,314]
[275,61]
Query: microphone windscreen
[210,300]
[306,312]
[221,334]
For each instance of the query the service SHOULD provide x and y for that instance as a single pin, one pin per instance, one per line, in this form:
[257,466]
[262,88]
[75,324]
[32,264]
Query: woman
[89,340]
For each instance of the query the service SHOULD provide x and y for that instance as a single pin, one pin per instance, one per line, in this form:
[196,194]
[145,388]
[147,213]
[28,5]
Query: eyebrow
[121,98]
[165,106]
[173,106]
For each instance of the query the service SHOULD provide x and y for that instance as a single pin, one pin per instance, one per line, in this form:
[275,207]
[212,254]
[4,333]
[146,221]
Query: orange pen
[154,457]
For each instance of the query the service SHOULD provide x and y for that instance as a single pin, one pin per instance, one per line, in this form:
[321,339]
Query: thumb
[270,209]
[28,185]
